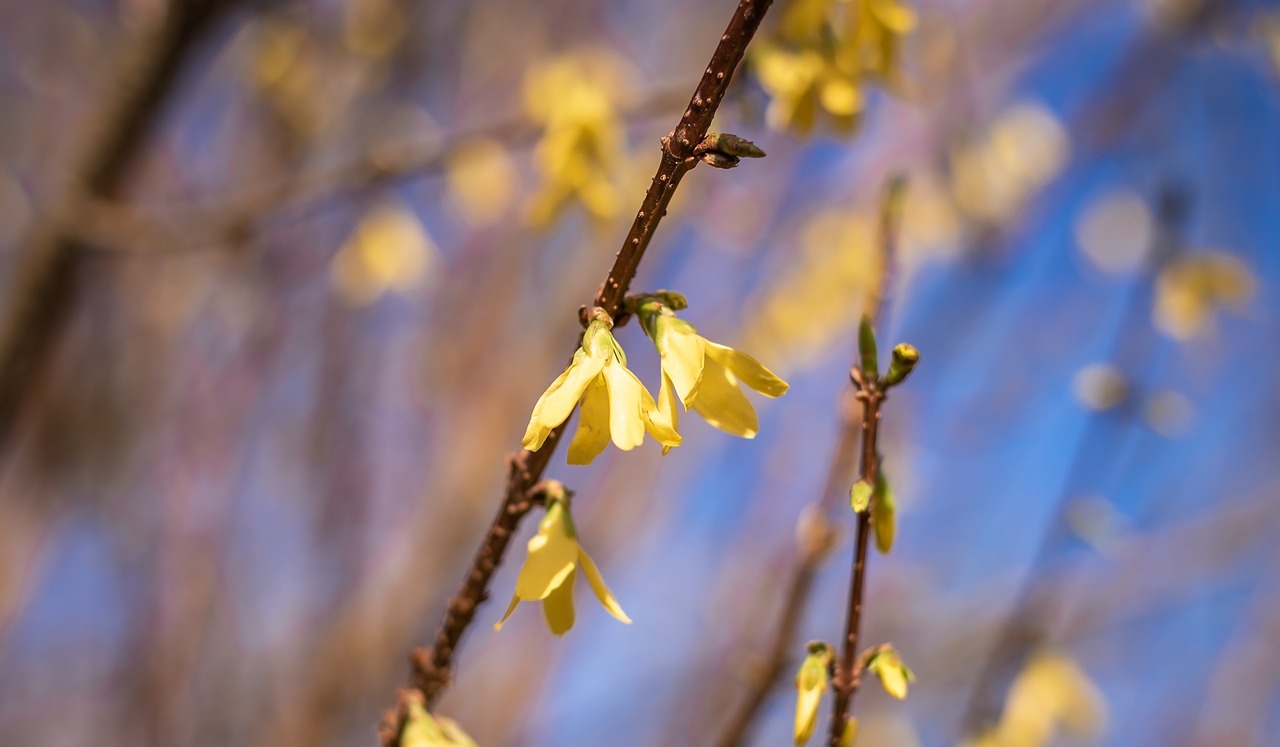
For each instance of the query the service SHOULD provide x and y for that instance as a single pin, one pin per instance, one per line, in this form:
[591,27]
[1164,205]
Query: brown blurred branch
[44,286]
[431,669]
[211,223]
[812,552]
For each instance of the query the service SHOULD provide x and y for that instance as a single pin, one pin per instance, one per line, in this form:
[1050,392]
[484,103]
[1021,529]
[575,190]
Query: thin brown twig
[848,673]
[431,669]
[212,222]
[811,553]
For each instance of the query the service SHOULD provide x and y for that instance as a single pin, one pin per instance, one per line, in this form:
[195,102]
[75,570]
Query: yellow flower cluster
[574,97]
[824,53]
[616,406]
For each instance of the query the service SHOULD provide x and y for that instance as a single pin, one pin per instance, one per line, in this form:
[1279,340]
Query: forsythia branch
[813,550]
[431,669]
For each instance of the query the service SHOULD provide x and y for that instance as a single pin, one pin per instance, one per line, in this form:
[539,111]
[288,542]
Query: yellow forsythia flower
[893,674]
[424,730]
[703,374]
[614,402]
[548,572]
[811,683]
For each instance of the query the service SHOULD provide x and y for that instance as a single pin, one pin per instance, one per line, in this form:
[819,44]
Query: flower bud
[885,514]
[905,358]
[894,675]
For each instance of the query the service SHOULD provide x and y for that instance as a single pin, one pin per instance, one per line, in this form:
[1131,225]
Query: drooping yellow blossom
[703,374]
[614,402]
[577,157]
[811,683]
[549,571]
[1190,289]
[422,729]
[893,674]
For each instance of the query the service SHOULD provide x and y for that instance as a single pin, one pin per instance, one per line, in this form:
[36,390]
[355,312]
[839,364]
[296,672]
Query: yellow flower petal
[806,713]
[592,435]
[895,683]
[626,423]
[557,608]
[722,404]
[515,601]
[681,349]
[597,585]
[747,369]
[667,407]
[811,683]
[656,424]
[552,555]
[555,404]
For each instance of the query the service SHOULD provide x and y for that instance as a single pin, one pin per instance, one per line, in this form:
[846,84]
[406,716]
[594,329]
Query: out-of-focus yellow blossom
[802,82]
[580,151]
[893,674]
[614,402]
[811,684]
[1190,288]
[549,570]
[823,291]
[422,729]
[389,250]
[875,29]
[702,374]
[481,181]
[994,175]
[824,53]
[1049,695]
